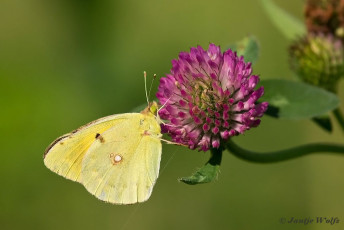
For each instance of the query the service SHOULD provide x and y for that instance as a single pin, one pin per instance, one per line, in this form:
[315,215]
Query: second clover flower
[209,97]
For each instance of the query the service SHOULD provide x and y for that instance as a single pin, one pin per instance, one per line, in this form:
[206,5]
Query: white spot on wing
[118,158]
[115,158]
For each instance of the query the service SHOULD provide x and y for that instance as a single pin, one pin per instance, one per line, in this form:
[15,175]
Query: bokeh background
[65,63]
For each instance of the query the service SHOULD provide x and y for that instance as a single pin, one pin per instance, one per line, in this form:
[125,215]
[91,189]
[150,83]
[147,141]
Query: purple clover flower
[209,97]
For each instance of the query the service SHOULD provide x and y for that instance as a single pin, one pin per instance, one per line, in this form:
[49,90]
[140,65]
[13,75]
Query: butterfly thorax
[150,122]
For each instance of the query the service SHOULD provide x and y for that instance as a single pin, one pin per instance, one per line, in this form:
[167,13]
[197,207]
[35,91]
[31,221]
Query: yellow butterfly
[116,158]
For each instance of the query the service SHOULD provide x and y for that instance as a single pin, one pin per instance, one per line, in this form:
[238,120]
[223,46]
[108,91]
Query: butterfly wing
[123,169]
[65,154]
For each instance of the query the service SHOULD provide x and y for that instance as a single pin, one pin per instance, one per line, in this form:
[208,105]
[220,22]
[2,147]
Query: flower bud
[318,60]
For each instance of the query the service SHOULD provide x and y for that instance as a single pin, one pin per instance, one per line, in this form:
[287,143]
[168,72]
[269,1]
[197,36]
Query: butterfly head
[151,109]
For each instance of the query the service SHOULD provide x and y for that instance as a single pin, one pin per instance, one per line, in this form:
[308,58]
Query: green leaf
[297,100]
[324,122]
[208,172]
[272,111]
[290,26]
[247,47]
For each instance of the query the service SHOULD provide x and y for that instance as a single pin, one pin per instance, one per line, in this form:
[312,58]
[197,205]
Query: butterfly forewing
[65,154]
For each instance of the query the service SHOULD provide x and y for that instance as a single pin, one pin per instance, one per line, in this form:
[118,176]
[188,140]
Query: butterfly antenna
[164,104]
[150,88]
[157,117]
[145,77]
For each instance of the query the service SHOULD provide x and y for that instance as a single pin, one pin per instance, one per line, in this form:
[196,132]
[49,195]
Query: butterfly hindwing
[124,167]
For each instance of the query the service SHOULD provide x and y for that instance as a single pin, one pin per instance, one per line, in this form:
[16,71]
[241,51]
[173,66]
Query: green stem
[339,116]
[282,155]
[215,157]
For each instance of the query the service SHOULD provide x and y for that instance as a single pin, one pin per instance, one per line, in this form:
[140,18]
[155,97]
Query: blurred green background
[65,63]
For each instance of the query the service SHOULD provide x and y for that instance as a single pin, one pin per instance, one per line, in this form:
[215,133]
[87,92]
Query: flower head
[318,59]
[209,97]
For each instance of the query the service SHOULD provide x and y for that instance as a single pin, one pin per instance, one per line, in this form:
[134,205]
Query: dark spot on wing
[100,138]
